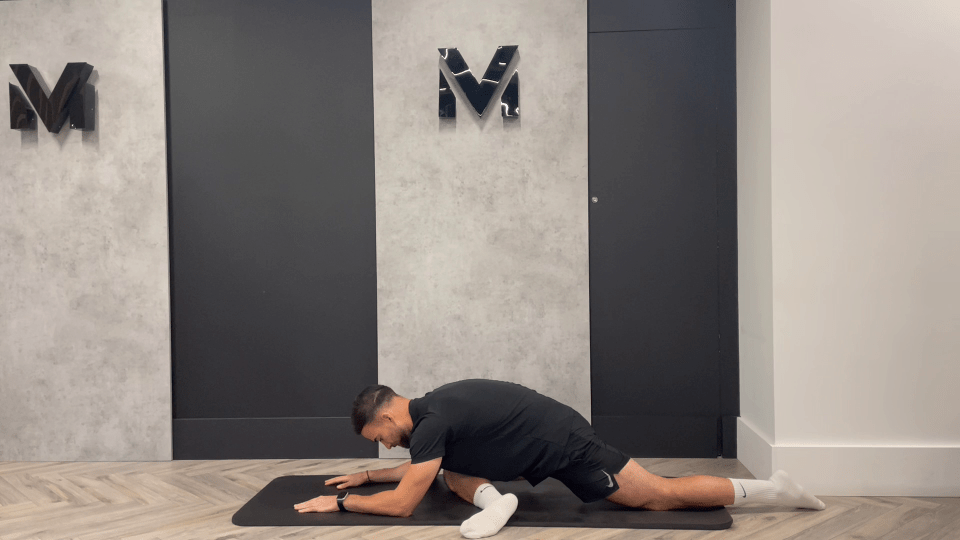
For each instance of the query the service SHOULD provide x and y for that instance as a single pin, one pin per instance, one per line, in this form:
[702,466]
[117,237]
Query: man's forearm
[394,474]
[385,503]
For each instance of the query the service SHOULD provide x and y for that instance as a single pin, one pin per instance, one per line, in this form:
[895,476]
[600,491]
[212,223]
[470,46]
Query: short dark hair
[368,404]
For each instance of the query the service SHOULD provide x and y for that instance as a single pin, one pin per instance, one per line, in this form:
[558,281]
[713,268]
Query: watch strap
[340,500]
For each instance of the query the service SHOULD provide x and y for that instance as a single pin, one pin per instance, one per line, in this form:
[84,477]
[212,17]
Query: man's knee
[658,496]
[661,497]
[456,482]
[451,476]
[641,489]
[464,486]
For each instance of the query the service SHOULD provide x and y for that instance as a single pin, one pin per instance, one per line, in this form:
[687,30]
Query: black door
[661,174]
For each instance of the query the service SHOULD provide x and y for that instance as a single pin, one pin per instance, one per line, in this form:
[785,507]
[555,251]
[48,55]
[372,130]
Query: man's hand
[350,480]
[398,502]
[324,503]
[328,503]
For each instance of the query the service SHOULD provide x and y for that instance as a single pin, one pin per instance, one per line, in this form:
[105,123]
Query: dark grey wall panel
[663,232]
[727,225]
[270,106]
[625,15]
[653,259]
[264,438]
[659,436]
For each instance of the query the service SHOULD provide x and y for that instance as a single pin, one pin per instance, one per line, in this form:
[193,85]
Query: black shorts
[591,464]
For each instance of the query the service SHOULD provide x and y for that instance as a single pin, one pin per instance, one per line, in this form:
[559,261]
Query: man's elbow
[404,508]
[401,511]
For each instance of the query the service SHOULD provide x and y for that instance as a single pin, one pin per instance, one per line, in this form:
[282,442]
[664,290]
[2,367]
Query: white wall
[864,203]
[84,287]
[482,249]
[755,255]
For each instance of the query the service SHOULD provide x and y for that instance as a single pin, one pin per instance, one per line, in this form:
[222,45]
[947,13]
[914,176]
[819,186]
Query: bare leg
[463,485]
[642,489]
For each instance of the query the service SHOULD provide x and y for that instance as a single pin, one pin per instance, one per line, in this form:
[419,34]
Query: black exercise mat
[549,504]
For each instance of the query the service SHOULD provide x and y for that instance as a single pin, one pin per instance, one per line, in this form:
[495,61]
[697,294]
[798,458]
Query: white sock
[779,490]
[485,495]
[496,510]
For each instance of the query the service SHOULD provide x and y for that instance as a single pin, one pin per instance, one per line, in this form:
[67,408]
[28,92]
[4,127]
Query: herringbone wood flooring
[195,500]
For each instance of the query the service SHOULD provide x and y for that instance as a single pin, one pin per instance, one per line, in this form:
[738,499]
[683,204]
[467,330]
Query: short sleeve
[429,440]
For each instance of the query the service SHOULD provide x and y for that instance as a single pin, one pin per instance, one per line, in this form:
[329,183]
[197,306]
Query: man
[480,430]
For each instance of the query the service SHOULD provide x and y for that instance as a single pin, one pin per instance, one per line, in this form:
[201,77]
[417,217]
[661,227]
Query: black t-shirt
[491,429]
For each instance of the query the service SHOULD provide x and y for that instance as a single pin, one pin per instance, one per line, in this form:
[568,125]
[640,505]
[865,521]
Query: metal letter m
[480,93]
[71,97]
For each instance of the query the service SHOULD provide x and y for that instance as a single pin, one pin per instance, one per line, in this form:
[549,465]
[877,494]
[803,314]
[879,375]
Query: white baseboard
[754,450]
[876,471]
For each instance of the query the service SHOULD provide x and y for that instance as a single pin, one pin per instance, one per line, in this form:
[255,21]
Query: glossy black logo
[480,93]
[71,97]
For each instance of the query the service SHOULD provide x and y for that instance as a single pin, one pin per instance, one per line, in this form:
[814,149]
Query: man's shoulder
[482,384]
[452,401]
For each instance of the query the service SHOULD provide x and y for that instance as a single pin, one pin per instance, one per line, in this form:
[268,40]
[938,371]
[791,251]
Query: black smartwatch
[340,500]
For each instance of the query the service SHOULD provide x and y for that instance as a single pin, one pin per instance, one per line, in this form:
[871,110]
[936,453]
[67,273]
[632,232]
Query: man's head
[380,415]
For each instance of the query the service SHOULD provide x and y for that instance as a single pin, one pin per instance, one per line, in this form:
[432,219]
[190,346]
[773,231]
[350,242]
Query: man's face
[386,432]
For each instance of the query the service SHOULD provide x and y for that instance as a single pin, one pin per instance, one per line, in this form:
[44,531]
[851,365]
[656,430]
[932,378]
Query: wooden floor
[195,500]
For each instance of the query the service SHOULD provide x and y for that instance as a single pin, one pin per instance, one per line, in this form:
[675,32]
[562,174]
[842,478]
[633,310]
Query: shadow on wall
[446,124]
[29,138]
